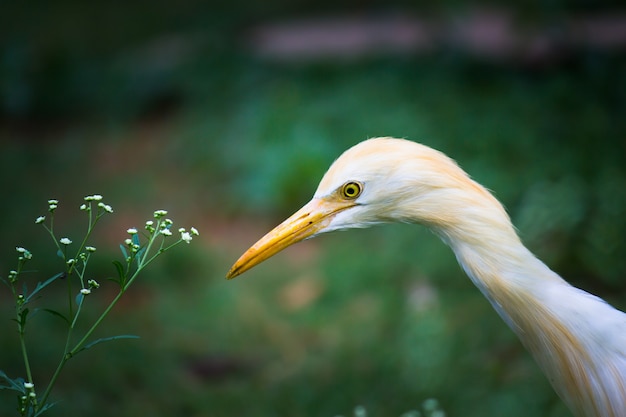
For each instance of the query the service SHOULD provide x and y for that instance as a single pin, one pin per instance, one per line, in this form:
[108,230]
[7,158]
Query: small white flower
[29,385]
[40,219]
[181,230]
[53,202]
[132,231]
[166,232]
[150,226]
[186,236]
[85,291]
[32,395]
[128,242]
[95,197]
[65,241]
[194,231]
[83,207]
[159,213]
[90,248]
[71,261]
[93,283]
[52,207]
[25,254]
[105,207]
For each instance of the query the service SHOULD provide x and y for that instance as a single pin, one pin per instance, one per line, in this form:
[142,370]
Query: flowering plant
[137,255]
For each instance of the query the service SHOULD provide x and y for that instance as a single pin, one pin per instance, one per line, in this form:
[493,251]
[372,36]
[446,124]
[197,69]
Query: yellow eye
[351,190]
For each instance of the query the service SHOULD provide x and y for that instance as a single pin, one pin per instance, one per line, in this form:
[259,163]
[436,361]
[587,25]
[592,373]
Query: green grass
[243,147]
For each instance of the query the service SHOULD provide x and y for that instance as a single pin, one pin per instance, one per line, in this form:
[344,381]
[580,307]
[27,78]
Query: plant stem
[44,397]
[67,355]
[69,295]
[142,265]
[29,374]
[106,311]
[21,324]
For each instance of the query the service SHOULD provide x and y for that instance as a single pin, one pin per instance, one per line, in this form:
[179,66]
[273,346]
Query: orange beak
[305,223]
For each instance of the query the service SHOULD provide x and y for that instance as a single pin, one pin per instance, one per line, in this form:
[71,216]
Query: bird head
[376,181]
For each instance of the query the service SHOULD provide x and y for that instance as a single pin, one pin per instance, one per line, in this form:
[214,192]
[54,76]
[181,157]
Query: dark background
[227,115]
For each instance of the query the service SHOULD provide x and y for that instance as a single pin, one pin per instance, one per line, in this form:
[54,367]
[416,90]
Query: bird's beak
[305,223]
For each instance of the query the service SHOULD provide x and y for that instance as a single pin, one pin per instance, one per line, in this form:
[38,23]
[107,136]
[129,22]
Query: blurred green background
[227,115]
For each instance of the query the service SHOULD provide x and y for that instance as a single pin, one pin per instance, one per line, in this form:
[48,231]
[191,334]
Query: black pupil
[351,190]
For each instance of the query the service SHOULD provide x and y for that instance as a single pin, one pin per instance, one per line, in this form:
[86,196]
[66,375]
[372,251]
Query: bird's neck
[566,329]
[478,229]
[491,253]
[504,270]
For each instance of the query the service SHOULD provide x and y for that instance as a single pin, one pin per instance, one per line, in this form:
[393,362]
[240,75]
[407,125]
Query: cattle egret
[577,339]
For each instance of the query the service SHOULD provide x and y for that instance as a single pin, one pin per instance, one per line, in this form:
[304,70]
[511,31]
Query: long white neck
[577,339]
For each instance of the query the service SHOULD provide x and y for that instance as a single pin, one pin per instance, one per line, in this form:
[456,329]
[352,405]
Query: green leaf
[139,255]
[135,239]
[16,384]
[79,298]
[56,313]
[107,339]
[22,320]
[41,285]
[123,249]
[44,408]
[119,267]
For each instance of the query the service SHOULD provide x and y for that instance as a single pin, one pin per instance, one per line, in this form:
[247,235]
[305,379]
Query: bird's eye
[351,190]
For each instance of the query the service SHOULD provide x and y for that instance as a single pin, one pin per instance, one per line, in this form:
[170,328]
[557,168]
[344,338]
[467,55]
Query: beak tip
[232,273]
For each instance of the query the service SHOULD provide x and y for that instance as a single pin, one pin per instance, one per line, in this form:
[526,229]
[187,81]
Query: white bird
[577,339]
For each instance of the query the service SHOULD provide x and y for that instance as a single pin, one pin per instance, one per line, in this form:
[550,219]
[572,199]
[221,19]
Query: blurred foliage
[161,106]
